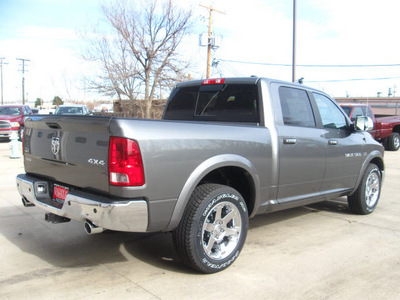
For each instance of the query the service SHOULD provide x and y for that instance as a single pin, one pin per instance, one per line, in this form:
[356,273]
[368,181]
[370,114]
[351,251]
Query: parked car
[385,129]
[12,119]
[227,150]
[72,110]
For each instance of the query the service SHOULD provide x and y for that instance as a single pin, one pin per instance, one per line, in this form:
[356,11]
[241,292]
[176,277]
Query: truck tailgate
[69,150]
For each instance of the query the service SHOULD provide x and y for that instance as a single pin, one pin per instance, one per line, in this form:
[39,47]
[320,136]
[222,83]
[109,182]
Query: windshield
[347,110]
[226,103]
[11,111]
[72,110]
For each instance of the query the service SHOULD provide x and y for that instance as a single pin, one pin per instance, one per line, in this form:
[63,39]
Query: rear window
[225,103]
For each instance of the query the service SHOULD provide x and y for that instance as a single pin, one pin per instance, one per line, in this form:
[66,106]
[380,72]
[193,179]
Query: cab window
[296,107]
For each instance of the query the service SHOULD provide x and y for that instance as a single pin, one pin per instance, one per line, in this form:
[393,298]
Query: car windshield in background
[10,111]
[225,103]
[347,110]
[69,111]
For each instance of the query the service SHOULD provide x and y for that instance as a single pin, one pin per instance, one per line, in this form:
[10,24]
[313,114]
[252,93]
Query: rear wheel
[393,142]
[365,199]
[213,228]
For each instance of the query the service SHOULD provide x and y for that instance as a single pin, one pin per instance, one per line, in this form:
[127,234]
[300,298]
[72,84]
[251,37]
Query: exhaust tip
[90,228]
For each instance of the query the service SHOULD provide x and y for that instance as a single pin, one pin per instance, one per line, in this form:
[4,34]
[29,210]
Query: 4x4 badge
[55,145]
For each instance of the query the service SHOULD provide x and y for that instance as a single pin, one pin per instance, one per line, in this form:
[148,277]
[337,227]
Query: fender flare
[373,155]
[209,165]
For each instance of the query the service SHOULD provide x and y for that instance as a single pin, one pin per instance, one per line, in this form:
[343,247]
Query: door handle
[332,142]
[289,141]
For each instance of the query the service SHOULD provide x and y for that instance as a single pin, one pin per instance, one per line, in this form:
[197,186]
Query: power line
[310,66]
[353,79]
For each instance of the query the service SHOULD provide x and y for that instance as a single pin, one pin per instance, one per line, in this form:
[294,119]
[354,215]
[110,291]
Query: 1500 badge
[357,154]
[95,161]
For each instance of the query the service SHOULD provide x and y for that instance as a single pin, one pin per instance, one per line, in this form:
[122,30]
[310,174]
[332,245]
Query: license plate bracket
[59,195]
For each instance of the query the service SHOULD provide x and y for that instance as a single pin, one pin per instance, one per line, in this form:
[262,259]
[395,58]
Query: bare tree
[140,53]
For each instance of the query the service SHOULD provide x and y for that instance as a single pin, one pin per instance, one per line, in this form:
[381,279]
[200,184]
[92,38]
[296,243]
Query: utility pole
[23,78]
[294,43]
[1,71]
[211,9]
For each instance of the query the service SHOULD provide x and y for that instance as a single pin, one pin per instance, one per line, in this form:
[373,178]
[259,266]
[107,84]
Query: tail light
[125,163]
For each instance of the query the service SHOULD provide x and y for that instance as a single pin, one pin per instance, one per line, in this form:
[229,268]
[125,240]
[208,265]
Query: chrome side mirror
[364,123]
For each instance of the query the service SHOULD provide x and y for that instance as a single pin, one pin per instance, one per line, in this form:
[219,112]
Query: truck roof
[354,104]
[239,80]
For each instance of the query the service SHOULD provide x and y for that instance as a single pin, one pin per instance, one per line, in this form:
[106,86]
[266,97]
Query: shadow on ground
[68,246]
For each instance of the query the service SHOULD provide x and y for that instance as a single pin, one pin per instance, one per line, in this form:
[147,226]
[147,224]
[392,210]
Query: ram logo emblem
[55,145]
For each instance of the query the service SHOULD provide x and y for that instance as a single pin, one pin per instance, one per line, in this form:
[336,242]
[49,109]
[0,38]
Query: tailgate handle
[289,141]
[53,125]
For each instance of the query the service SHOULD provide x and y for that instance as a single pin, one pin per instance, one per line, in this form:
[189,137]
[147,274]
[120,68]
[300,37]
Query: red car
[12,119]
[386,129]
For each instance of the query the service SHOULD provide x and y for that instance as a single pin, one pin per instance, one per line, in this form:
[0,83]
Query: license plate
[59,194]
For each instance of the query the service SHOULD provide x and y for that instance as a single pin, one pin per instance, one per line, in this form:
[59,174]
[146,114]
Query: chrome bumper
[125,215]
[6,133]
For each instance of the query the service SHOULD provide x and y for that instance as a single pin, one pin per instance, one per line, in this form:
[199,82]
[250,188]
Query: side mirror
[364,124]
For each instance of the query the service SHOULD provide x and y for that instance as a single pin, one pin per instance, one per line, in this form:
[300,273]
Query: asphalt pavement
[314,252]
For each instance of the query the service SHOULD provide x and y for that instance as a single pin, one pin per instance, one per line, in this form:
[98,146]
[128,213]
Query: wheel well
[379,163]
[237,178]
[396,128]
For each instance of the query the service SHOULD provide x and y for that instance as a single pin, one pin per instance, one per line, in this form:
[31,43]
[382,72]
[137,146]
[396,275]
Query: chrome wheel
[396,142]
[372,189]
[221,230]
[213,229]
[365,199]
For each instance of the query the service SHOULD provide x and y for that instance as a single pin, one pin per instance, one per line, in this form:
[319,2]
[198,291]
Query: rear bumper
[124,215]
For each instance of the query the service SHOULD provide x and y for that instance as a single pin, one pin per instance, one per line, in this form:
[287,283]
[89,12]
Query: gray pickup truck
[225,151]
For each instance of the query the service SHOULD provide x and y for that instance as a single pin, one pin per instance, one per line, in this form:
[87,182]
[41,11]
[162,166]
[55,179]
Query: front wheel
[365,199]
[21,133]
[213,228]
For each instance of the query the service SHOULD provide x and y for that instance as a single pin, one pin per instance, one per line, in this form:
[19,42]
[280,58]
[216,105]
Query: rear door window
[296,107]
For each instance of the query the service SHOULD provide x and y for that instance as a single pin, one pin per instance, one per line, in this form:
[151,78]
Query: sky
[256,39]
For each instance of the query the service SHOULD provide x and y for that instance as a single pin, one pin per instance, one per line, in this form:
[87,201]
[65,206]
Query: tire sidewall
[394,141]
[222,194]
[21,133]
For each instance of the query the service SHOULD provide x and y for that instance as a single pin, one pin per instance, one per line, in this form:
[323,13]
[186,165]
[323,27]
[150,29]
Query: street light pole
[294,43]
[1,68]
[23,78]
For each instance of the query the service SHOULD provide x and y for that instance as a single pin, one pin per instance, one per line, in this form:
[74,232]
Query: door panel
[344,155]
[302,147]
[301,162]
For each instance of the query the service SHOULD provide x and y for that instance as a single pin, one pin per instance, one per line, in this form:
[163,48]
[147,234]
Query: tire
[213,229]
[21,133]
[393,142]
[365,199]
